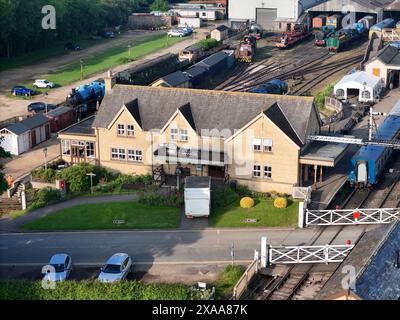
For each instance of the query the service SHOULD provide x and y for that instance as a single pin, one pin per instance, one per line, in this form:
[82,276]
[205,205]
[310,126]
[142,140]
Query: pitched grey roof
[208,109]
[389,55]
[176,78]
[221,28]
[212,60]
[28,124]
[84,127]
[58,111]
[374,259]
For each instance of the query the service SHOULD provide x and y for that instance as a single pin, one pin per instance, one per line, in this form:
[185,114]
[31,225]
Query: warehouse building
[254,139]
[272,14]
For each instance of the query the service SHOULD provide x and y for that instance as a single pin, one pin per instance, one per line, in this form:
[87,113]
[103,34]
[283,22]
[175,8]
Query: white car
[59,268]
[43,83]
[116,268]
[176,33]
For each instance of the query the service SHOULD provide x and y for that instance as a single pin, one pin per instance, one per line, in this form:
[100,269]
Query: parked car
[22,91]
[72,46]
[116,268]
[43,83]
[176,33]
[186,30]
[60,267]
[40,106]
[109,35]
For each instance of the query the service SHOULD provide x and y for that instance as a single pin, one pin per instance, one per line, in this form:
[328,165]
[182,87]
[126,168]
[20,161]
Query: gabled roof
[207,109]
[176,78]
[276,115]
[196,71]
[389,55]
[222,28]
[133,108]
[28,124]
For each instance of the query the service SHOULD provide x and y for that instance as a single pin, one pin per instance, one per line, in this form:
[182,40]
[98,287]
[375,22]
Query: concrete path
[9,225]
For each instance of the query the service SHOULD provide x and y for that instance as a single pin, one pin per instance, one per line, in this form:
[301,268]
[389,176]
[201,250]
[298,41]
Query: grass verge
[101,216]
[93,290]
[226,282]
[263,214]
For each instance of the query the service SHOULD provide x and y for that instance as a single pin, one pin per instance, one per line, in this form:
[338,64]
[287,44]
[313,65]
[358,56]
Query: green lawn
[101,216]
[110,58]
[264,212]
[226,282]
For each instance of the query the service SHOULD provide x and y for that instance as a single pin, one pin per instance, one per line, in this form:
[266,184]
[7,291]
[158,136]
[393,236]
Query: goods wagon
[334,21]
[318,22]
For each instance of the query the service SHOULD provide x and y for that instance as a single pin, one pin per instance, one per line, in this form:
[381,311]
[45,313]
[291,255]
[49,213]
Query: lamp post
[91,175]
[129,50]
[81,62]
[45,99]
[45,158]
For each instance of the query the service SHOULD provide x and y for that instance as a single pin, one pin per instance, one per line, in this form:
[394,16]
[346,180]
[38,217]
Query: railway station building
[256,139]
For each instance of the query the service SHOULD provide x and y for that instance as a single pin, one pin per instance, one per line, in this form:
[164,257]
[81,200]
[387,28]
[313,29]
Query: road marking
[152,263]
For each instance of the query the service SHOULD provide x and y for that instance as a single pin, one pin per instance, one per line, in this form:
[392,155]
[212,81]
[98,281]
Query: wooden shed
[220,33]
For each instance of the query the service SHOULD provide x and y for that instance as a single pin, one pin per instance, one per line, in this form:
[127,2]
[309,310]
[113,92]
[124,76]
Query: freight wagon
[299,33]
[334,21]
[319,22]
[323,34]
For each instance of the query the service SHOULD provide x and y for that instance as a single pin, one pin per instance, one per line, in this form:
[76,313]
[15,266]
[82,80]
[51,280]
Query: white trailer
[197,196]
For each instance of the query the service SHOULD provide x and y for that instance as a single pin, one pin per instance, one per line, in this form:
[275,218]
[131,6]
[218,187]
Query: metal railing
[309,254]
[351,216]
[244,280]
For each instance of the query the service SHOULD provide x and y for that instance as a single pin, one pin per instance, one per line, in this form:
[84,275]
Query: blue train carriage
[85,97]
[368,164]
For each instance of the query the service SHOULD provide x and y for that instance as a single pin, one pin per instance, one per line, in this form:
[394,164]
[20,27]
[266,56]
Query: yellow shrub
[247,202]
[280,203]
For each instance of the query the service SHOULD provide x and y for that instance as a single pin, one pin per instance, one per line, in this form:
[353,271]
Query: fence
[245,279]
[335,106]
[309,254]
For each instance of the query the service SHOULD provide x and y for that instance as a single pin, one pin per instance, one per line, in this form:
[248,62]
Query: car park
[72,46]
[116,268]
[22,91]
[40,106]
[176,33]
[43,83]
[59,268]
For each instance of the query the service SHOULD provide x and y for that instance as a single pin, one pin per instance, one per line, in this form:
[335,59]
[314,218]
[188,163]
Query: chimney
[109,81]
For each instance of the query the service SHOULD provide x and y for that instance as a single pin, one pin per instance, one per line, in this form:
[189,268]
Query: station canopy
[369,86]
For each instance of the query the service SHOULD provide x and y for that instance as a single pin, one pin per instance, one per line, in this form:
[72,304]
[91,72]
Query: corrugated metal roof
[59,111]
[28,124]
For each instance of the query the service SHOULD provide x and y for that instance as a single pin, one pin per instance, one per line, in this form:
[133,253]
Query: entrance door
[33,138]
[78,154]
[216,172]
[362,172]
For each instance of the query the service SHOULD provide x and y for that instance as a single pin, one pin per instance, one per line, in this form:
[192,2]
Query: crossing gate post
[264,252]
[302,208]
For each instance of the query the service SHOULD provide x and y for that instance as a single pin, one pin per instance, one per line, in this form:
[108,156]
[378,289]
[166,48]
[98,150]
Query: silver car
[116,268]
[59,268]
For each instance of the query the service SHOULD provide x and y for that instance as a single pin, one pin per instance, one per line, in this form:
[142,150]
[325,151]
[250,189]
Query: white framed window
[66,147]
[256,171]
[256,144]
[183,135]
[90,150]
[120,129]
[174,134]
[130,130]
[135,155]
[267,145]
[267,172]
[118,154]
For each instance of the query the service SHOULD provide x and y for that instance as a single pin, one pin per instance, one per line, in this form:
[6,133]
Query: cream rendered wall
[383,74]
[284,158]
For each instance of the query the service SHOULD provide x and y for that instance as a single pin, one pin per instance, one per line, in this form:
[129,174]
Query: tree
[3,182]
[159,5]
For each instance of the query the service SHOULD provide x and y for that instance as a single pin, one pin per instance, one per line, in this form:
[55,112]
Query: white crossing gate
[308,254]
[351,216]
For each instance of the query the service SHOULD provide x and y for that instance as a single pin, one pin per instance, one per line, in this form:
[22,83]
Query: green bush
[44,197]
[153,199]
[140,179]
[222,197]
[94,290]
[227,281]
[320,96]
[77,180]
[207,44]
[44,175]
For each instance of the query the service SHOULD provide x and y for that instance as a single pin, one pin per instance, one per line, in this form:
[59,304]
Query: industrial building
[274,14]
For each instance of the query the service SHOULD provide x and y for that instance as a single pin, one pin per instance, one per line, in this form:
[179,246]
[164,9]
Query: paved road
[155,247]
